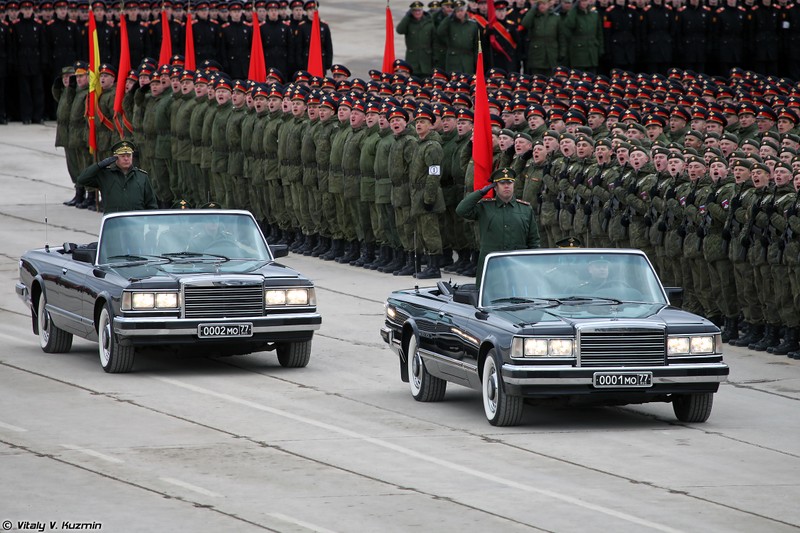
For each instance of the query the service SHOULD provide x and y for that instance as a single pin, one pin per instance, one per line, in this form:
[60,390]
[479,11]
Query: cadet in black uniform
[235,43]
[29,52]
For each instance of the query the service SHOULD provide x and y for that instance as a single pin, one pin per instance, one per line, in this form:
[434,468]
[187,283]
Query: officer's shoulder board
[51,22]
[226,25]
[523,202]
[143,171]
[487,199]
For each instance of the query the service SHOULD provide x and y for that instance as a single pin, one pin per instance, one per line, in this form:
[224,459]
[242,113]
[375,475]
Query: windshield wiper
[517,300]
[131,258]
[222,258]
[589,299]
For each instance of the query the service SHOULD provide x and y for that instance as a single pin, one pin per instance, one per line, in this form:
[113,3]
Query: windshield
[205,236]
[570,277]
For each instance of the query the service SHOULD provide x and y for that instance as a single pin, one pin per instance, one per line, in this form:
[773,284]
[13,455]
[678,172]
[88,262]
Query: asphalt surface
[241,444]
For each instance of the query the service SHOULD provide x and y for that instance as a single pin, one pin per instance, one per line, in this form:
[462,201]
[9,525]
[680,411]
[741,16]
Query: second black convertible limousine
[574,325]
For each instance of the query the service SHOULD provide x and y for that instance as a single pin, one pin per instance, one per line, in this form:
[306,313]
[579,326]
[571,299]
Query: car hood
[574,314]
[177,270]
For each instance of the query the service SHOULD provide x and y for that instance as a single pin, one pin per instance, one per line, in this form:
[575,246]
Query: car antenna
[46,243]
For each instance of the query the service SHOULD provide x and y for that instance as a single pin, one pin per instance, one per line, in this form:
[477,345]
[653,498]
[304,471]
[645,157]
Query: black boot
[793,355]
[80,192]
[472,267]
[367,255]
[286,237]
[309,245]
[789,343]
[408,267]
[446,259]
[90,200]
[336,249]
[347,253]
[731,330]
[461,262]
[432,271]
[322,247]
[398,258]
[361,249]
[379,259]
[275,235]
[299,240]
[770,339]
[753,335]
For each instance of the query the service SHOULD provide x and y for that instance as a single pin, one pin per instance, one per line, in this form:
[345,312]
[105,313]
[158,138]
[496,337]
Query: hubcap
[105,342]
[416,369]
[44,324]
[490,389]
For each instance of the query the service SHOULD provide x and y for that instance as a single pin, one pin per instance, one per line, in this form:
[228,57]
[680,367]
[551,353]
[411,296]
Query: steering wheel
[221,244]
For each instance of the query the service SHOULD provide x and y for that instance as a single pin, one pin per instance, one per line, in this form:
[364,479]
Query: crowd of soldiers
[697,171]
[535,36]
[38,39]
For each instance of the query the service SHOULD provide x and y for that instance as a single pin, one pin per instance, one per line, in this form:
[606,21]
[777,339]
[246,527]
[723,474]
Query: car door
[77,300]
[456,340]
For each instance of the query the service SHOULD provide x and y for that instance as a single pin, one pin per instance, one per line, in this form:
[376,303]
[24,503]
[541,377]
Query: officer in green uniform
[547,44]
[584,35]
[505,222]
[418,28]
[460,33]
[123,186]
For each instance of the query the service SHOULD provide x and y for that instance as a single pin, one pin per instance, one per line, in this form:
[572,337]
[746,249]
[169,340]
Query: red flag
[166,40]
[258,68]
[120,121]
[94,83]
[189,61]
[315,49]
[482,134]
[388,46]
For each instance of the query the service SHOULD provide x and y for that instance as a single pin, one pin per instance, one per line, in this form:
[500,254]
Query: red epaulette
[646,8]
[720,10]
[681,9]
[225,25]
[49,22]
[16,21]
[609,9]
[706,8]
[286,23]
[740,8]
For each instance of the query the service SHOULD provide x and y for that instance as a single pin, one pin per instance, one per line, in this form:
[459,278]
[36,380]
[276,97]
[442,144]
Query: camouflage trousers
[159,179]
[723,287]
[359,213]
[218,188]
[765,289]
[345,221]
[428,238]
[405,227]
[690,301]
[782,298]
[300,206]
[702,287]
[746,293]
[330,226]
[386,219]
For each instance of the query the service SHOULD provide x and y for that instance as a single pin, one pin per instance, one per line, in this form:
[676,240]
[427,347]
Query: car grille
[223,301]
[628,347]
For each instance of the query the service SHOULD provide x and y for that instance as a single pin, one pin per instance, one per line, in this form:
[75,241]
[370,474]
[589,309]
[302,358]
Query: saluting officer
[505,222]
[124,187]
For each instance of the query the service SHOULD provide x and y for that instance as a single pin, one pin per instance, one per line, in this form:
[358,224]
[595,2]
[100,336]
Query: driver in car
[212,232]
[598,276]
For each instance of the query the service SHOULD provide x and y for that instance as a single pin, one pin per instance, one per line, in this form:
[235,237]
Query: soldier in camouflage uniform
[323,135]
[599,176]
[400,155]
[367,209]
[272,194]
[219,143]
[358,235]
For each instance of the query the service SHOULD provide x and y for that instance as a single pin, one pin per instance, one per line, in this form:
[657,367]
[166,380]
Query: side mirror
[675,295]
[84,255]
[279,250]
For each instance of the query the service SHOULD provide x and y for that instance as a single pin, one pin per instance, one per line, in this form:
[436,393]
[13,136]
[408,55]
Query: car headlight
[690,345]
[542,347]
[390,311]
[298,296]
[142,301]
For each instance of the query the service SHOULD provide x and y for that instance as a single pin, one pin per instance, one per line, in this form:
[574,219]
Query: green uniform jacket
[546,40]
[233,138]
[219,143]
[425,172]
[256,148]
[64,97]
[78,130]
[452,194]
[692,215]
[308,154]
[272,131]
[323,135]
[182,128]
[178,100]
[248,126]
[121,192]
[419,42]
[290,139]
[383,183]
[503,226]
[147,148]
[637,204]
[162,124]
[207,152]
[462,44]
[366,163]
[585,37]
[106,137]
[351,162]
[400,156]
[336,173]
[714,248]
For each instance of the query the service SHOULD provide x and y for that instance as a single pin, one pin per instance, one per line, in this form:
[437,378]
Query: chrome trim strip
[661,380]
[191,325]
[448,360]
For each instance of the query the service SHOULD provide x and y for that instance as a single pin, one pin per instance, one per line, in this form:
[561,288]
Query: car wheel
[693,407]
[424,386]
[501,409]
[294,354]
[52,339]
[114,359]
